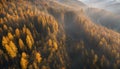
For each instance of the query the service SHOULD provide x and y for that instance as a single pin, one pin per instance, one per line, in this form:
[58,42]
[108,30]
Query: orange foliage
[50,42]
[38,57]
[17,32]
[55,46]
[24,61]
[21,44]
[29,41]
[10,36]
[4,41]
[11,49]
[5,27]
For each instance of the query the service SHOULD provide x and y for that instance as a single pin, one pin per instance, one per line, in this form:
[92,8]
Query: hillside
[47,34]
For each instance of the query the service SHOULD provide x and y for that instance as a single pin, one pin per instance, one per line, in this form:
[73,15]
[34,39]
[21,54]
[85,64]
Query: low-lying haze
[109,5]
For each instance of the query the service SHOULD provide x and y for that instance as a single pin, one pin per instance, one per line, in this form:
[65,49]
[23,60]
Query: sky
[92,1]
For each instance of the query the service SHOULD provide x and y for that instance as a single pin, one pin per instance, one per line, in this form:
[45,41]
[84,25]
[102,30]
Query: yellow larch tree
[55,46]
[95,59]
[24,61]
[13,47]
[21,44]
[49,42]
[4,41]
[10,51]
[29,41]
[38,57]
[5,27]
[10,36]
[17,32]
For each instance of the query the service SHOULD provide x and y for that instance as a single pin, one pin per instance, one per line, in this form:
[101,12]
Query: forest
[49,34]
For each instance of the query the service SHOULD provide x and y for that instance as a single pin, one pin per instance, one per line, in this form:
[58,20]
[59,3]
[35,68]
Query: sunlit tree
[11,49]
[24,61]
[29,41]
[38,57]
[5,27]
[10,36]
[50,42]
[4,41]
[95,59]
[55,46]
[17,32]
[21,44]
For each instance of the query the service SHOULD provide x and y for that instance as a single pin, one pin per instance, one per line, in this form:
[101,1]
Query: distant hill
[110,5]
[104,18]
[72,3]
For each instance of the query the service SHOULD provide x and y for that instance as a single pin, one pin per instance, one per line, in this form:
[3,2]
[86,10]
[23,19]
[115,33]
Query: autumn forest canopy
[53,34]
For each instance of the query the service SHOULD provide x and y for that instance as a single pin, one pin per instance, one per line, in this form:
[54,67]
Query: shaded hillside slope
[80,31]
[50,35]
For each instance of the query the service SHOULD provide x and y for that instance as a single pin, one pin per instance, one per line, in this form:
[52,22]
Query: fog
[101,12]
[109,5]
[104,12]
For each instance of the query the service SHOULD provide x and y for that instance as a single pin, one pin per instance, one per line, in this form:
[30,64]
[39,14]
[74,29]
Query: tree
[50,42]
[24,61]
[21,44]
[95,59]
[5,27]
[4,41]
[9,46]
[29,38]
[24,29]
[10,51]
[38,57]
[28,31]
[103,42]
[10,36]
[55,46]
[102,60]
[17,32]
[13,47]
[29,41]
